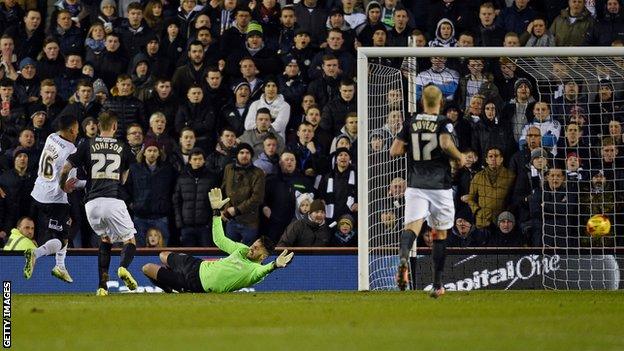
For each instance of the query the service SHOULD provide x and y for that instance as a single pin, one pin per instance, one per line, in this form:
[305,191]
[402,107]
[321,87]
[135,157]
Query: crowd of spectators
[258,98]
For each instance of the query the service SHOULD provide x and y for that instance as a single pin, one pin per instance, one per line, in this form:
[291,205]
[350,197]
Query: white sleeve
[74,174]
[250,119]
[281,120]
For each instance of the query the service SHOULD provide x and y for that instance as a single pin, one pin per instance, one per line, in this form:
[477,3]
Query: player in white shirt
[50,205]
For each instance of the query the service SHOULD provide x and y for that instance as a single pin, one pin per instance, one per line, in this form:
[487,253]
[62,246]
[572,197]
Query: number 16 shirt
[53,157]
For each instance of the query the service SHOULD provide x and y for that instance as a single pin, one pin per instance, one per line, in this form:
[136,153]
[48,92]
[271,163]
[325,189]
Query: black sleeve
[126,159]
[80,158]
[404,133]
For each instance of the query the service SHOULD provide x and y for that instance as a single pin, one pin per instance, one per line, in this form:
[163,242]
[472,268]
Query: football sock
[127,255]
[50,247]
[104,263]
[161,285]
[406,242]
[168,278]
[438,256]
[60,257]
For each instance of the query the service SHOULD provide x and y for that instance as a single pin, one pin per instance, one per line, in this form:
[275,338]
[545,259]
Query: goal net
[563,146]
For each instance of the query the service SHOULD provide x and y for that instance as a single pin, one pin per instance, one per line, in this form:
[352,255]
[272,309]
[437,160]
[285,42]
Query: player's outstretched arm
[67,185]
[448,145]
[397,148]
[218,235]
[283,259]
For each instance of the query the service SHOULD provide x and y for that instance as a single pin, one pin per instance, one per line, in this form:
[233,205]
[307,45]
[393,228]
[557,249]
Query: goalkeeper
[242,268]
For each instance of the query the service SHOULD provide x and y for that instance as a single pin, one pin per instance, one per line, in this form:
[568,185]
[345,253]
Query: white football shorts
[434,205]
[109,217]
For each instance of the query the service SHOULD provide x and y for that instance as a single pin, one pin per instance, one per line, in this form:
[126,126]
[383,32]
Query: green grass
[518,320]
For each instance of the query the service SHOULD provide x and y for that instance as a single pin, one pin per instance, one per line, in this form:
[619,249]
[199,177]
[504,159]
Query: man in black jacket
[193,72]
[334,113]
[162,99]
[134,33]
[127,108]
[85,106]
[280,196]
[196,113]
[28,36]
[191,203]
[309,231]
[17,184]
[150,184]
[111,62]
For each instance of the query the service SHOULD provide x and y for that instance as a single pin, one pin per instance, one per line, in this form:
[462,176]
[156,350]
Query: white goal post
[364,96]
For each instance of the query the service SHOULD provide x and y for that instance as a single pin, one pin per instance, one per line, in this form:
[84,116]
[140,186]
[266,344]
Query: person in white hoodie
[280,109]
[549,128]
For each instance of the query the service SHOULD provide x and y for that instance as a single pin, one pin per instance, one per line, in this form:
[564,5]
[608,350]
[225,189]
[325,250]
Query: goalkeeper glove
[283,259]
[216,199]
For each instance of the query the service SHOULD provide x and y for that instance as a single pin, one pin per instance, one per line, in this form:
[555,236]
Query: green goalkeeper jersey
[233,272]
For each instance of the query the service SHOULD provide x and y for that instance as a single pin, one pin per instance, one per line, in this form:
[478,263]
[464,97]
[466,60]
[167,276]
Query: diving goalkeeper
[242,268]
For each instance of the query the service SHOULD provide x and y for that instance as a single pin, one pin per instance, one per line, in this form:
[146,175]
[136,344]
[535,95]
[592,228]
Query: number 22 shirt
[106,160]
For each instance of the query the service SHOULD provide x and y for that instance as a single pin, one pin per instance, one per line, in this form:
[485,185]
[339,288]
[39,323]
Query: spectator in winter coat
[162,99]
[17,184]
[537,34]
[69,36]
[335,46]
[234,113]
[492,130]
[193,73]
[191,204]
[444,35]
[111,62]
[134,138]
[265,58]
[529,179]
[311,17]
[506,233]
[83,105]
[335,113]
[309,231]
[150,183]
[489,33]
[444,78]
[339,188]
[608,28]
[196,113]
[282,190]
[516,17]
[325,87]
[49,62]
[244,184]
[309,156]
[28,35]
[156,133]
[489,189]
[122,102]
[134,33]
[571,26]
[279,109]
[224,153]
[550,129]
[464,233]
[182,152]
[268,159]
[345,234]
[262,129]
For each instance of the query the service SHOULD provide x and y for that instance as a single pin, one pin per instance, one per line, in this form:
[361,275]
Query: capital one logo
[526,267]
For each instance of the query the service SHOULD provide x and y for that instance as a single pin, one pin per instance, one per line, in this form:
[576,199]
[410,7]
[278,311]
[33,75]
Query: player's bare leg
[104,254]
[164,255]
[151,270]
[127,255]
[438,256]
[406,241]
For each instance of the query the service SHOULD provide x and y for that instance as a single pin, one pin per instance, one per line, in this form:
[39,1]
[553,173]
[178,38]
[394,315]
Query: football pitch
[511,320]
